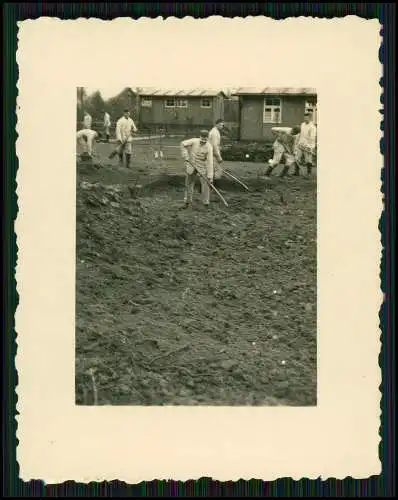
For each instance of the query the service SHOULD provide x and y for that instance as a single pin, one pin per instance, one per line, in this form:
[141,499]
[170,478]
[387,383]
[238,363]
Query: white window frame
[206,99]
[146,102]
[272,107]
[178,103]
[170,99]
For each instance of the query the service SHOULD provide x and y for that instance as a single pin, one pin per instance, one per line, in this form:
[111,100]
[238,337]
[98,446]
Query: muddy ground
[193,307]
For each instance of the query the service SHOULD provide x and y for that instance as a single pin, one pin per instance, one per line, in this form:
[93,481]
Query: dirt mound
[195,307]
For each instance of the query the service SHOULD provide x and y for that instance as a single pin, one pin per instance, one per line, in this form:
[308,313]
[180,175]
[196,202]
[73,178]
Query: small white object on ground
[283,362]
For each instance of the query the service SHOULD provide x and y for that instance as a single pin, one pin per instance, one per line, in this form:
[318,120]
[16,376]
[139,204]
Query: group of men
[203,158]
[125,127]
[202,155]
[295,147]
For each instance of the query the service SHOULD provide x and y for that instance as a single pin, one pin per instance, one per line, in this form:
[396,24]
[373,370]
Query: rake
[211,185]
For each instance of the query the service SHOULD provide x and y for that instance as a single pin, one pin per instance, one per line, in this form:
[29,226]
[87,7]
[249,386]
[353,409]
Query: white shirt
[215,141]
[201,155]
[124,126]
[107,120]
[89,135]
[307,136]
[87,121]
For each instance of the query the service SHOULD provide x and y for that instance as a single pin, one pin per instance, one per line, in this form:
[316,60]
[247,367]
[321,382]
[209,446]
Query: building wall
[194,114]
[252,107]
[218,108]
[231,110]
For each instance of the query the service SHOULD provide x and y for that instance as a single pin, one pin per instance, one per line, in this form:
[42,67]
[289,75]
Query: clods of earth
[195,307]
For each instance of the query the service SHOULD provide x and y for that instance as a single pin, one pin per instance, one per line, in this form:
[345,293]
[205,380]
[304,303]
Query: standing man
[198,156]
[87,120]
[87,138]
[215,141]
[306,144]
[107,125]
[125,127]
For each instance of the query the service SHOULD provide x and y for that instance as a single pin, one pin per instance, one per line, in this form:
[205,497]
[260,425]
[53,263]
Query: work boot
[309,170]
[112,155]
[186,205]
[128,160]
[269,171]
[296,170]
[107,138]
[121,158]
[284,171]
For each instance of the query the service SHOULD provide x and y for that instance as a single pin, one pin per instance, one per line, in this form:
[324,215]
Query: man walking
[107,125]
[198,156]
[215,141]
[306,144]
[125,127]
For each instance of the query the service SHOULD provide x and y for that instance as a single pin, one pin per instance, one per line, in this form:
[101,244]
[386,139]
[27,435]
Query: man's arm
[133,126]
[118,131]
[210,165]
[312,136]
[184,145]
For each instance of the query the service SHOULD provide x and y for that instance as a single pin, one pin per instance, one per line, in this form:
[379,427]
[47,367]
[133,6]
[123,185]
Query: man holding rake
[198,156]
[125,127]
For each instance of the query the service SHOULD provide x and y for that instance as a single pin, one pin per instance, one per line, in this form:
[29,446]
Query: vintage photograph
[196,246]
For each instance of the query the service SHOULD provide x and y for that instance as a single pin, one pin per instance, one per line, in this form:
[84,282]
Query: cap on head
[220,120]
[126,110]
[204,134]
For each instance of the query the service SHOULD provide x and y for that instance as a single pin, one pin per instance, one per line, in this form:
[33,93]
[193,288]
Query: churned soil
[194,307]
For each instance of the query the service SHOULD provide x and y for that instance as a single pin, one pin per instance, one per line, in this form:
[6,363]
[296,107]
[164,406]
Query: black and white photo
[196,246]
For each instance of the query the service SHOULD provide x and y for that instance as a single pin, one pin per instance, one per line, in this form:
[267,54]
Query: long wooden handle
[236,179]
[211,185]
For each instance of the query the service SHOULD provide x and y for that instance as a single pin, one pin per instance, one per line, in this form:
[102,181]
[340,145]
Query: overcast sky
[106,92]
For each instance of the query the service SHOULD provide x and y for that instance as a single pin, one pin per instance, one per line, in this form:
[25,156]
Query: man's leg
[274,162]
[189,188]
[120,153]
[217,171]
[129,152]
[205,192]
[308,161]
[285,166]
[269,170]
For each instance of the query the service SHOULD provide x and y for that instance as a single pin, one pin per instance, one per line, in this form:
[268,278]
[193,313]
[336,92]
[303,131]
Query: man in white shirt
[283,147]
[198,155]
[215,141]
[306,144]
[87,120]
[87,138]
[125,127]
[107,125]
